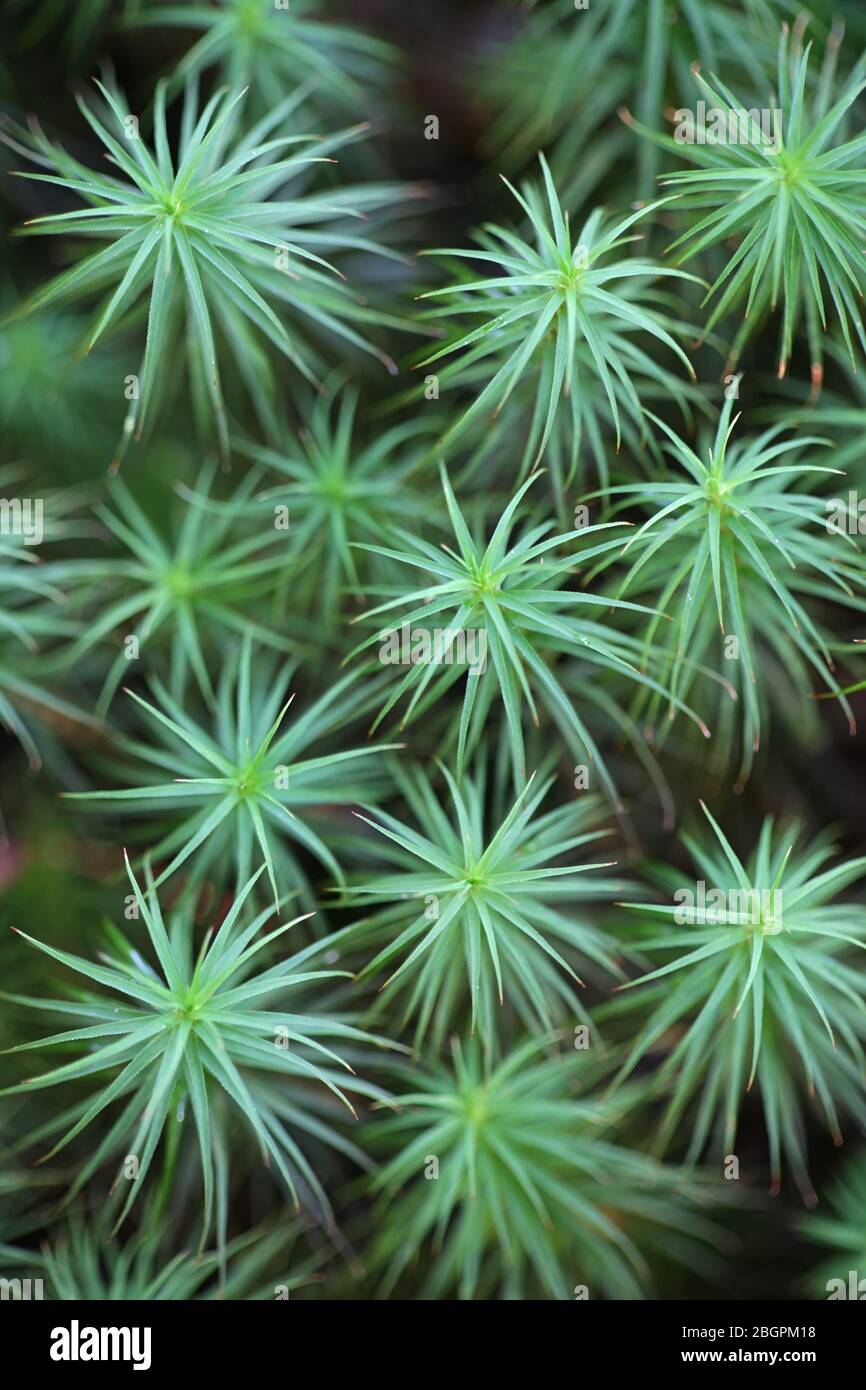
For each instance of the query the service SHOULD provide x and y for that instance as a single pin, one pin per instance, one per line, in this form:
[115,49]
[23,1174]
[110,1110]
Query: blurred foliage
[278,513]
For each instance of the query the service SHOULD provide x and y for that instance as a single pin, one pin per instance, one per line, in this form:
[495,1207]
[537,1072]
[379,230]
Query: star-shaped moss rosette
[555,308]
[535,1196]
[340,489]
[739,555]
[204,1018]
[766,989]
[243,788]
[82,1263]
[510,594]
[790,192]
[278,47]
[594,59]
[178,602]
[201,238]
[475,913]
